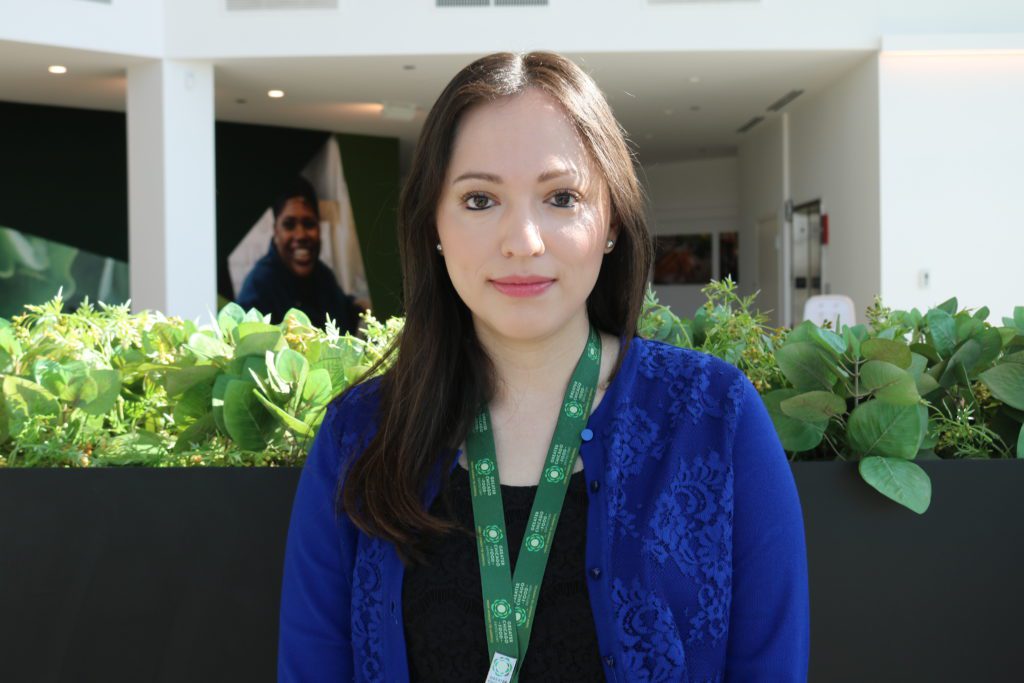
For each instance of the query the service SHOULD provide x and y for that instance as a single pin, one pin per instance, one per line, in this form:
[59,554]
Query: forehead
[296,205]
[518,136]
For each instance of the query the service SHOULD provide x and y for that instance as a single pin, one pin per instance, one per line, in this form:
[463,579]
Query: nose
[521,234]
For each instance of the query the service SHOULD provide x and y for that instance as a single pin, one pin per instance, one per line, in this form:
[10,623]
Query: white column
[172,223]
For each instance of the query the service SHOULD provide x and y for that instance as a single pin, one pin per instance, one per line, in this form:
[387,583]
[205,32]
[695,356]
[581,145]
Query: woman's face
[523,217]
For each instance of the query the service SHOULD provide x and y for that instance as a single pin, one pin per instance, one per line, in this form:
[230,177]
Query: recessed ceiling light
[57,69]
[409,67]
[275,94]
[240,100]
[695,108]
[694,79]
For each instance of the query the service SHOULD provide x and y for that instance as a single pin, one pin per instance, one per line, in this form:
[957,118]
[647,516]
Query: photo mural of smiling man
[291,274]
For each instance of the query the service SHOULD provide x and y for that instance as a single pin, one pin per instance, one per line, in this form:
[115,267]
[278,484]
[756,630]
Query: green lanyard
[510,603]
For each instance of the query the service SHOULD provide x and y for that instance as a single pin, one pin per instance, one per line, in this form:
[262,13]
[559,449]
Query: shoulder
[660,361]
[260,277]
[685,382]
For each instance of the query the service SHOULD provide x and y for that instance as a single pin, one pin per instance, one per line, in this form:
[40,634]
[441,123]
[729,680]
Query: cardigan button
[595,486]
[609,662]
[586,435]
[595,572]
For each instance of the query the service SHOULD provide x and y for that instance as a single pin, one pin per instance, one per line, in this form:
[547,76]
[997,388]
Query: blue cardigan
[695,551]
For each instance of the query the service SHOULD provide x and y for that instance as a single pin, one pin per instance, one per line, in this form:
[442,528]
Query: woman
[670,549]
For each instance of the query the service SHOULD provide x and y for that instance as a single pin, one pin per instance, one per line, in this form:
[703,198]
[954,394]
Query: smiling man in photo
[291,274]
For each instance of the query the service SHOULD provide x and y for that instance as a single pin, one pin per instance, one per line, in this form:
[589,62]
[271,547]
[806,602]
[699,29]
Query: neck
[532,369]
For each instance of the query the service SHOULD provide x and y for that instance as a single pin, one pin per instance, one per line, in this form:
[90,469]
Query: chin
[526,326]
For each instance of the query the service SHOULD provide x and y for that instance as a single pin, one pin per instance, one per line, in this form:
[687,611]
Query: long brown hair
[441,374]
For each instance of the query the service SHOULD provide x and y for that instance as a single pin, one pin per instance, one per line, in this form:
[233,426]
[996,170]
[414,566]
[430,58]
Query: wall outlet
[923,279]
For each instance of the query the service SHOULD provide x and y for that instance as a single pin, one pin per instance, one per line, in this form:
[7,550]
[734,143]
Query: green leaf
[317,391]
[805,367]
[180,380]
[928,351]
[297,426]
[879,428]
[900,480]
[949,305]
[258,343]
[926,384]
[918,363]
[887,350]
[229,318]
[889,383]
[795,435]
[108,388]
[967,327]
[291,366]
[813,406]
[854,337]
[991,343]
[298,316]
[829,340]
[248,423]
[197,434]
[964,357]
[1006,382]
[1017,357]
[220,386]
[27,398]
[140,447]
[194,405]
[5,420]
[206,347]
[1020,443]
[250,327]
[982,313]
[942,331]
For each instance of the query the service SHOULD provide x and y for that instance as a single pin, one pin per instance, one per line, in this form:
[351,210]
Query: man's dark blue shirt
[272,288]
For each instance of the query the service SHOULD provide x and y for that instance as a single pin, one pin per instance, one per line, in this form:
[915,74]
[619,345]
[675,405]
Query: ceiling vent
[99,2]
[241,5]
[784,100]
[463,3]
[520,3]
[750,124]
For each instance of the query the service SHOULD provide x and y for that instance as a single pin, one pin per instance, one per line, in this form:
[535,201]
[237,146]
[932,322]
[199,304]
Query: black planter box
[141,575]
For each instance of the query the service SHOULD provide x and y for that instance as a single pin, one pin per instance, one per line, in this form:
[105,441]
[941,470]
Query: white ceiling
[651,93]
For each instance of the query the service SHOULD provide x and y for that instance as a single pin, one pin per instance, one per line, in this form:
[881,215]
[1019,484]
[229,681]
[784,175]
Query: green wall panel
[64,177]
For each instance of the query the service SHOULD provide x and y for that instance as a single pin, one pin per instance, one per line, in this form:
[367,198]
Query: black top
[443,605]
[271,288]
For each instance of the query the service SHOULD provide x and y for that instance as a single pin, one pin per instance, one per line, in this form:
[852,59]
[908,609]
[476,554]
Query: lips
[523,285]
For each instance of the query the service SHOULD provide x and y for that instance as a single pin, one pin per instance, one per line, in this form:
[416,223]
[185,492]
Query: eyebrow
[496,179]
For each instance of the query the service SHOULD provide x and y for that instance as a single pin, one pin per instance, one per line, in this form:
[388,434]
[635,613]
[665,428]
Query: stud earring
[610,244]
[439,249]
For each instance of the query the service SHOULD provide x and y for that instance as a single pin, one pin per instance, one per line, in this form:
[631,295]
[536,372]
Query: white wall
[953,183]
[761,196]
[133,27]
[834,157]
[372,27]
[692,197]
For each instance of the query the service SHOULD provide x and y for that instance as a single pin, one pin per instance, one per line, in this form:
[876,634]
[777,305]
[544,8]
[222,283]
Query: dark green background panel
[64,177]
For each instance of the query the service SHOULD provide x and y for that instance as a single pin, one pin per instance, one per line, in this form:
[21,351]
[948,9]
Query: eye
[477,201]
[565,199]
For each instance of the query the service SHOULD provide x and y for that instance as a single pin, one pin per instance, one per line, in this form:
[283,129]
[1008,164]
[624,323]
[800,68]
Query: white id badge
[502,667]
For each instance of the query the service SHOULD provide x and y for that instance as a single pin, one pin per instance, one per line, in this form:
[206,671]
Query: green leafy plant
[103,386]
[943,384]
